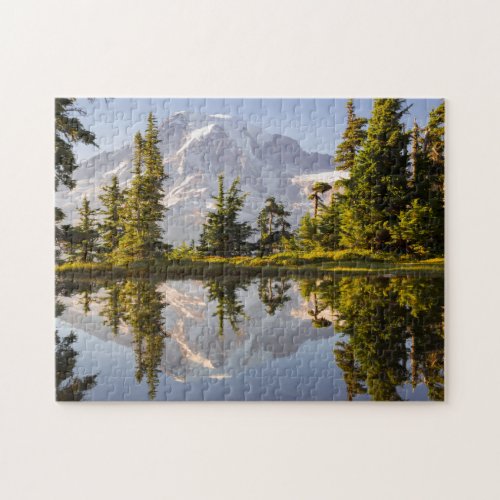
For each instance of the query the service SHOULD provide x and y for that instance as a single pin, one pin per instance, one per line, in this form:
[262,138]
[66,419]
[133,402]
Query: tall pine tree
[111,226]
[223,234]
[69,129]
[143,209]
[154,176]
[352,139]
[421,225]
[131,245]
[377,189]
[85,235]
[273,225]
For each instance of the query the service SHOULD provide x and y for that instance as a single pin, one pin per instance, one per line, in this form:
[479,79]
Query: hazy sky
[316,123]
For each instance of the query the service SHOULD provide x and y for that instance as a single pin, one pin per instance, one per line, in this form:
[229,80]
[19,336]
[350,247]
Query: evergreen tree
[111,227]
[306,233]
[131,245]
[329,224]
[377,189]
[318,189]
[418,179]
[273,225]
[154,176]
[85,234]
[63,236]
[352,139]
[414,230]
[68,130]
[433,150]
[143,209]
[420,229]
[237,232]
[222,233]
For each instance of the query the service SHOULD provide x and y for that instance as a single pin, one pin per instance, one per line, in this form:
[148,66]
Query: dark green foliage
[273,226]
[318,189]
[272,293]
[377,190]
[306,233]
[68,386]
[84,236]
[414,231]
[352,139]
[113,310]
[224,291]
[222,233]
[154,175]
[329,223]
[111,228]
[142,210]
[68,130]
[392,332]
[142,310]
[420,230]
[433,151]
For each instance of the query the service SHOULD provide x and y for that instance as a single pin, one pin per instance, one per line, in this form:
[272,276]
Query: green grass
[290,263]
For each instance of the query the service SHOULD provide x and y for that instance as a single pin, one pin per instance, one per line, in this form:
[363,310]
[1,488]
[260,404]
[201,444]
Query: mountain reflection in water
[235,338]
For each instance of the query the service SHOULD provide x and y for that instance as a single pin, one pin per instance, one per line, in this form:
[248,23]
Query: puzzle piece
[302,273]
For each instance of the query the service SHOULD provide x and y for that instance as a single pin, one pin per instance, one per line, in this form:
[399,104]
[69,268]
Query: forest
[389,208]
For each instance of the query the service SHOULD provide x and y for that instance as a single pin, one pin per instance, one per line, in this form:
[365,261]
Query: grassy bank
[289,263]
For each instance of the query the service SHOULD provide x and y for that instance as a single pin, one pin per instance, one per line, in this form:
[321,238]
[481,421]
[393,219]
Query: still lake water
[348,337]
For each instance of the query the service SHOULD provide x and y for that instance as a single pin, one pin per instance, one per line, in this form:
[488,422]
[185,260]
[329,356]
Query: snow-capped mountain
[196,149]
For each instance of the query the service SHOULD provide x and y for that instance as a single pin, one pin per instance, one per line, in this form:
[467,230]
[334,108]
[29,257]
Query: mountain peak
[196,148]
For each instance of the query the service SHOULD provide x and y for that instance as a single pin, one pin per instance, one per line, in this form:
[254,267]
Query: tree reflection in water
[391,328]
[68,386]
[272,293]
[392,332]
[224,291]
[139,305]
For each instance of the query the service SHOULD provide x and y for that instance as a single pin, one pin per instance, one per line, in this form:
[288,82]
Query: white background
[366,48]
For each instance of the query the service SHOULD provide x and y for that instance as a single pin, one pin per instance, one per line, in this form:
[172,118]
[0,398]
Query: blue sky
[316,123]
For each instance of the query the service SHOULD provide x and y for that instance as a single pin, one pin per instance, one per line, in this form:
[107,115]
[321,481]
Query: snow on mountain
[196,149]
[306,181]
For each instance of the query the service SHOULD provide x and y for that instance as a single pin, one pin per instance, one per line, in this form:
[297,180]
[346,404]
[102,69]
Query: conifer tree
[111,227]
[329,223]
[417,180]
[306,233]
[352,139]
[433,150]
[222,232]
[377,189]
[273,225]
[143,209]
[318,189]
[237,232]
[85,235]
[131,245]
[154,176]
[420,229]
[212,239]
[68,130]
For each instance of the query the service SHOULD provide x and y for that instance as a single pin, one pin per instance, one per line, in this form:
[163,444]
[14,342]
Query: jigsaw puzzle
[249,249]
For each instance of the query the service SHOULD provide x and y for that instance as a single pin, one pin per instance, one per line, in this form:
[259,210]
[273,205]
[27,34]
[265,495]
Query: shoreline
[233,266]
